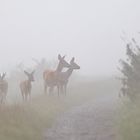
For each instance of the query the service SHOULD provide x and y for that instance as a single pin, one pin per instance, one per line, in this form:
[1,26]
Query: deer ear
[26,72]
[4,74]
[72,60]
[59,57]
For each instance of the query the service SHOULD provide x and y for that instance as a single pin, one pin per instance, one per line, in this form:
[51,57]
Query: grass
[28,121]
[129,124]
[20,121]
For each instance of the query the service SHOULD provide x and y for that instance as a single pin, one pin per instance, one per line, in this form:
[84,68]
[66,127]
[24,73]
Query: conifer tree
[130,68]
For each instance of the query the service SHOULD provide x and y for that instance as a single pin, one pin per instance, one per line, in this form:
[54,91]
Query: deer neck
[69,72]
[59,68]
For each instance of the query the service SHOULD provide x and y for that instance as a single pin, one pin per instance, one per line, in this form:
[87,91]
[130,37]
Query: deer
[26,86]
[64,76]
[3,88]
[51,77]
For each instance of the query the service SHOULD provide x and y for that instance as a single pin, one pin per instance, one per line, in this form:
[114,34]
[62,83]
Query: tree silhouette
[130,68]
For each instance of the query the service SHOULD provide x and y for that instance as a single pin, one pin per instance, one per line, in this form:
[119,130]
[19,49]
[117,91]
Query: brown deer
[26,86]
[64,76]
[51,77]
[3,88]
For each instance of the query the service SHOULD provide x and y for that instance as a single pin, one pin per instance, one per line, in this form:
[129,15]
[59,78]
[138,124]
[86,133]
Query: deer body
[3,88]
[51,78]
[26,86]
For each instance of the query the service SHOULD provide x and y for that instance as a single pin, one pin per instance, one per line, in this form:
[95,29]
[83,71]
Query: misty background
[34,32]
[89,30]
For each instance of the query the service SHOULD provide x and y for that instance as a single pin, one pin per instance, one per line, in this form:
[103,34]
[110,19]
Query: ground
[95,120]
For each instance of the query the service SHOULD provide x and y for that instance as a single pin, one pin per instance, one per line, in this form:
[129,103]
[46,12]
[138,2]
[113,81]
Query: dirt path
[91,121]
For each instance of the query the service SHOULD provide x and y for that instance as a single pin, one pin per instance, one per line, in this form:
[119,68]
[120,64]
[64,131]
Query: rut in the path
[92,121]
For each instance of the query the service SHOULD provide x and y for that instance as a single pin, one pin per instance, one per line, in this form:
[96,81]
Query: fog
[89,30]
[84,99]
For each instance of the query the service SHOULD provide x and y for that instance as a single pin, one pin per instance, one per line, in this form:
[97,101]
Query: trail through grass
[28,120]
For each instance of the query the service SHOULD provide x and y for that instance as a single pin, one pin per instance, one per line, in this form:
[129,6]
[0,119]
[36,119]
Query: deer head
[30,75]
[62,63]
[73,64]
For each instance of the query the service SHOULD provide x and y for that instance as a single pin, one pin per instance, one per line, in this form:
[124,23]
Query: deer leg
[1,99]
[50,90]
[61,89]
[65,89]
[58,89]
[26,97]
[22,93]
[4,98]
[23,96]
[45,87]
[30,96]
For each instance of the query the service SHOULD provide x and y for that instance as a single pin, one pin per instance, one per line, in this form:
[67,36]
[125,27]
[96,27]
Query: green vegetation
[28,120]
[129,125]
[131,70]
[20,122]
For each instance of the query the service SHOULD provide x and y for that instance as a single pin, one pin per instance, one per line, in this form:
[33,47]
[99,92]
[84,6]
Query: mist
[42,91]
[88,30]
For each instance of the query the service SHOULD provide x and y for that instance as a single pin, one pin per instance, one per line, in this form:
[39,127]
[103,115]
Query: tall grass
[129,124]
[19,122]
[28,120]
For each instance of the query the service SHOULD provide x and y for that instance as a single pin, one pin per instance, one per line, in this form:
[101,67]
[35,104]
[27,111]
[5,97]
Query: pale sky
[89,30]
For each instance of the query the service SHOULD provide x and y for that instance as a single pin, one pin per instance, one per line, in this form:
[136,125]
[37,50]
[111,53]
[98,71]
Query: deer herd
[52,78]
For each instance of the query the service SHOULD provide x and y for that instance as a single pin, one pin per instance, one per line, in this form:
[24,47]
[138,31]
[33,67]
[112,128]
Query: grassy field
[129,124]
[27,121]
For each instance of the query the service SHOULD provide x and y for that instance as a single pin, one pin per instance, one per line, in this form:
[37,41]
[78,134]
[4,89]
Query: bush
[130,68]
